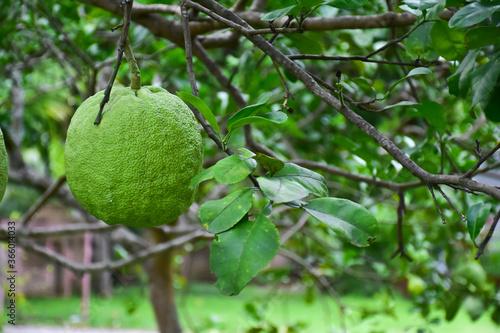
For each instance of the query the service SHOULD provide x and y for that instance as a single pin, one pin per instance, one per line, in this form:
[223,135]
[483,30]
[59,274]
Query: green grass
[204,309]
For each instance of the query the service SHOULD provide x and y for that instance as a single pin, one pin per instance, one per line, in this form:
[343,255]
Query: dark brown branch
[80,268]
[483,159]
[482,246]
[451,203]
[401,247]
[396,187]
[127,11]
[61,230]
[351,58]
[431,188]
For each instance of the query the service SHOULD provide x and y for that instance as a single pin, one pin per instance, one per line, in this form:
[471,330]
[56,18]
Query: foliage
[431,86]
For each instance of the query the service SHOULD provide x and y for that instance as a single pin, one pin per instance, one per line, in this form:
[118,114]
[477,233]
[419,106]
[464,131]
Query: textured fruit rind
[134,168]
[4,167]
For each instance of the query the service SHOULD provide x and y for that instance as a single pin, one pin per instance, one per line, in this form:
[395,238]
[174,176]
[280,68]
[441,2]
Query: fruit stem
[135,72]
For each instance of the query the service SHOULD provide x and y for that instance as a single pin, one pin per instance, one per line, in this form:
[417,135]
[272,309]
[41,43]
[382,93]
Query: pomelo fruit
[134,168]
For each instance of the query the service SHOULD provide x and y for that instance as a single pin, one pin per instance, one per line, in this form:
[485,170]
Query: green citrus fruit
[134,168]
[4,167]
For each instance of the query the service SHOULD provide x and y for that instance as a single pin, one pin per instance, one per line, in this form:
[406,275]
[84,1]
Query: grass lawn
[205,310]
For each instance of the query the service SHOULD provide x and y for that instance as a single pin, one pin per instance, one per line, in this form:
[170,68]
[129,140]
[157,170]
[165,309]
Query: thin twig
[451,203]
[401,212]
[41,201]
[80,268]
[436,203]
[469,173]
[127,10]
[482,246]
[296,227]
[323,282]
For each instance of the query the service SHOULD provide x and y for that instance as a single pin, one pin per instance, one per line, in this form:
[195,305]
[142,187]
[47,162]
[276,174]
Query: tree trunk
[162,293]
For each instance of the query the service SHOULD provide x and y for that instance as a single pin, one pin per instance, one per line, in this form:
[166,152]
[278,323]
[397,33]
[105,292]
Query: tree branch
[482,246]
[80,268]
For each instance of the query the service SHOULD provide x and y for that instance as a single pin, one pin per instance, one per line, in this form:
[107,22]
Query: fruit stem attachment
[135,72]
[127,12]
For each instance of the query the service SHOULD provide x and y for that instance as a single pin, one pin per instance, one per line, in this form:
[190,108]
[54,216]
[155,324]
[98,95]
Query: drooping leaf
[233,169]
[421,4]
[291,183]
[459,82]
[306,44]
[238,254]
[349,220]
[482,36]
[474,305]
[202,107]
[413,72]
[220,215]
[269,163]
[278,13]
[403,103]
[490,107]
[276,117]
[419,43]
[483,81]
[347,4]
[246,153]
[447,42]
[248,111]
[473,13]
[365,85]
[203,175]
[434,113]
[476,218]
[451,305]
[246,70]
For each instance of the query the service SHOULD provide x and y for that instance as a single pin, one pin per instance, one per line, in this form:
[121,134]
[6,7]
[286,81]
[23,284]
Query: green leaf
[491,109]
[291,183]
[474,305]
[403,103]
[451,305]
[459,82]
[278,13]
[419,43]
[348,219]
[276,117]
[413,72]
[203,175]
[364,84]
[248,111]
[202,107]
[233,169]
[347,4]
[246,70]
[246,153]
[220,215]
[421,4]
[447,42]
[476,218]
[269,163]
[238,254]
[473,13]
[434,113]
[306,44]
[483,81]
[482,36]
